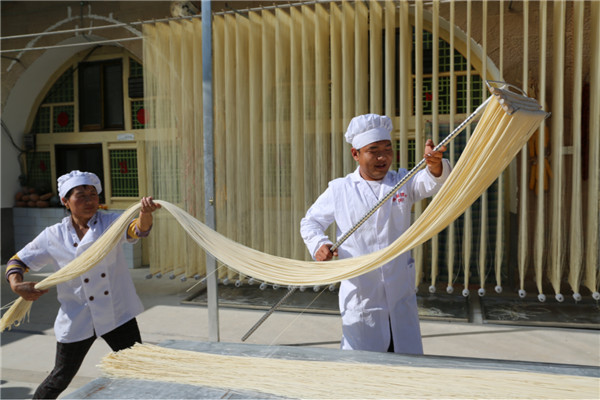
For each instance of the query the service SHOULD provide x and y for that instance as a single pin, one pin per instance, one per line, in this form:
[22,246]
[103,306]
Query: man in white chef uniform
[379,308]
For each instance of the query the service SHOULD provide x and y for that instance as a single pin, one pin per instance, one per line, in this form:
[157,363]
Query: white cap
[77,178]
[368,128]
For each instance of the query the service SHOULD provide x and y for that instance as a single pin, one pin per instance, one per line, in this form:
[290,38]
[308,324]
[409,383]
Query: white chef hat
[77,178]
[368,128]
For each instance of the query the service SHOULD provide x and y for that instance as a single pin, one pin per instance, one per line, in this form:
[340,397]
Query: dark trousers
[391,346]
[69,357]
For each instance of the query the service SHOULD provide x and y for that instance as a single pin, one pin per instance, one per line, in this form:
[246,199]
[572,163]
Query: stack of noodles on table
[339,380]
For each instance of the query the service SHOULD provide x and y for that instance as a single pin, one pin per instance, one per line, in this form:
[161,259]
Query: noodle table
[109,388]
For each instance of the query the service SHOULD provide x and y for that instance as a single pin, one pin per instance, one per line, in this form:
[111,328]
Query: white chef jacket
[98,301]
[371,302]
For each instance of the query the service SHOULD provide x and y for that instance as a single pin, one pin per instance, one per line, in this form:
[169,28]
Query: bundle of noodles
[503,130]
[310,379]
[497,139]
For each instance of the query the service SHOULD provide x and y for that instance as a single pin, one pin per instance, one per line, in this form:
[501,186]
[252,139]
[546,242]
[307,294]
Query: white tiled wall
[30,222]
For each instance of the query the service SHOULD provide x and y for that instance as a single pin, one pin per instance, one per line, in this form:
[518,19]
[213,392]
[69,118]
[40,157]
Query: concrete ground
[27,351]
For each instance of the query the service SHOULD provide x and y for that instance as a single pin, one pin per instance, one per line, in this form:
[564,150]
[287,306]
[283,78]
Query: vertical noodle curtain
[559,210]
[592,258]
[174,150]
[281,106]
[286,84]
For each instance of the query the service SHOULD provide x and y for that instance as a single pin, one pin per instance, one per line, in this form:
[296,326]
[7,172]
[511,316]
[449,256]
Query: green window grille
[53,116]
[136,80]
[138,114]
[124,173]
[135,69]
[445,56]
[461,93]
[42,121]
[444,93]
[39,171]
[62,90]
[63,119]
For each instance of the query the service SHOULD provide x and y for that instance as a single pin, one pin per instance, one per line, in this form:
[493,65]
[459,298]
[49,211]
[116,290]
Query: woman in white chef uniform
[102,302]
[379,308]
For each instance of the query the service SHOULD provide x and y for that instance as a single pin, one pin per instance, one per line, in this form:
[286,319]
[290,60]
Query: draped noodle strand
[494,143]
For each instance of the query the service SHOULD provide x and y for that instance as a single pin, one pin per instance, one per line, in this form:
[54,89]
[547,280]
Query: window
[84,157]
[99,91]
[100,99]
[461,71]
[136,94]
[38,171]
[57,112]
[124,173]
[101,95]
[445,56]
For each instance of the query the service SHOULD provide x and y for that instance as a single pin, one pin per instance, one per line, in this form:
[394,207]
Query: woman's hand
[26,290]
[148,205]
[145,219]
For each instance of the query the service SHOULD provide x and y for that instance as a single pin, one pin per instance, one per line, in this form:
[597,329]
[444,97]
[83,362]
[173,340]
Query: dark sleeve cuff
[141,234]
[15,266]
[134,231]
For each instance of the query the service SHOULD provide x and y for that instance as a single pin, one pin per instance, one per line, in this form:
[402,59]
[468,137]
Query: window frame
[103,99]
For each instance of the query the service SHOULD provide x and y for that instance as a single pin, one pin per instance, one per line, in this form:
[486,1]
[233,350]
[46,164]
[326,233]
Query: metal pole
[209,166]
[62,46]
[268,313]
[401,183]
